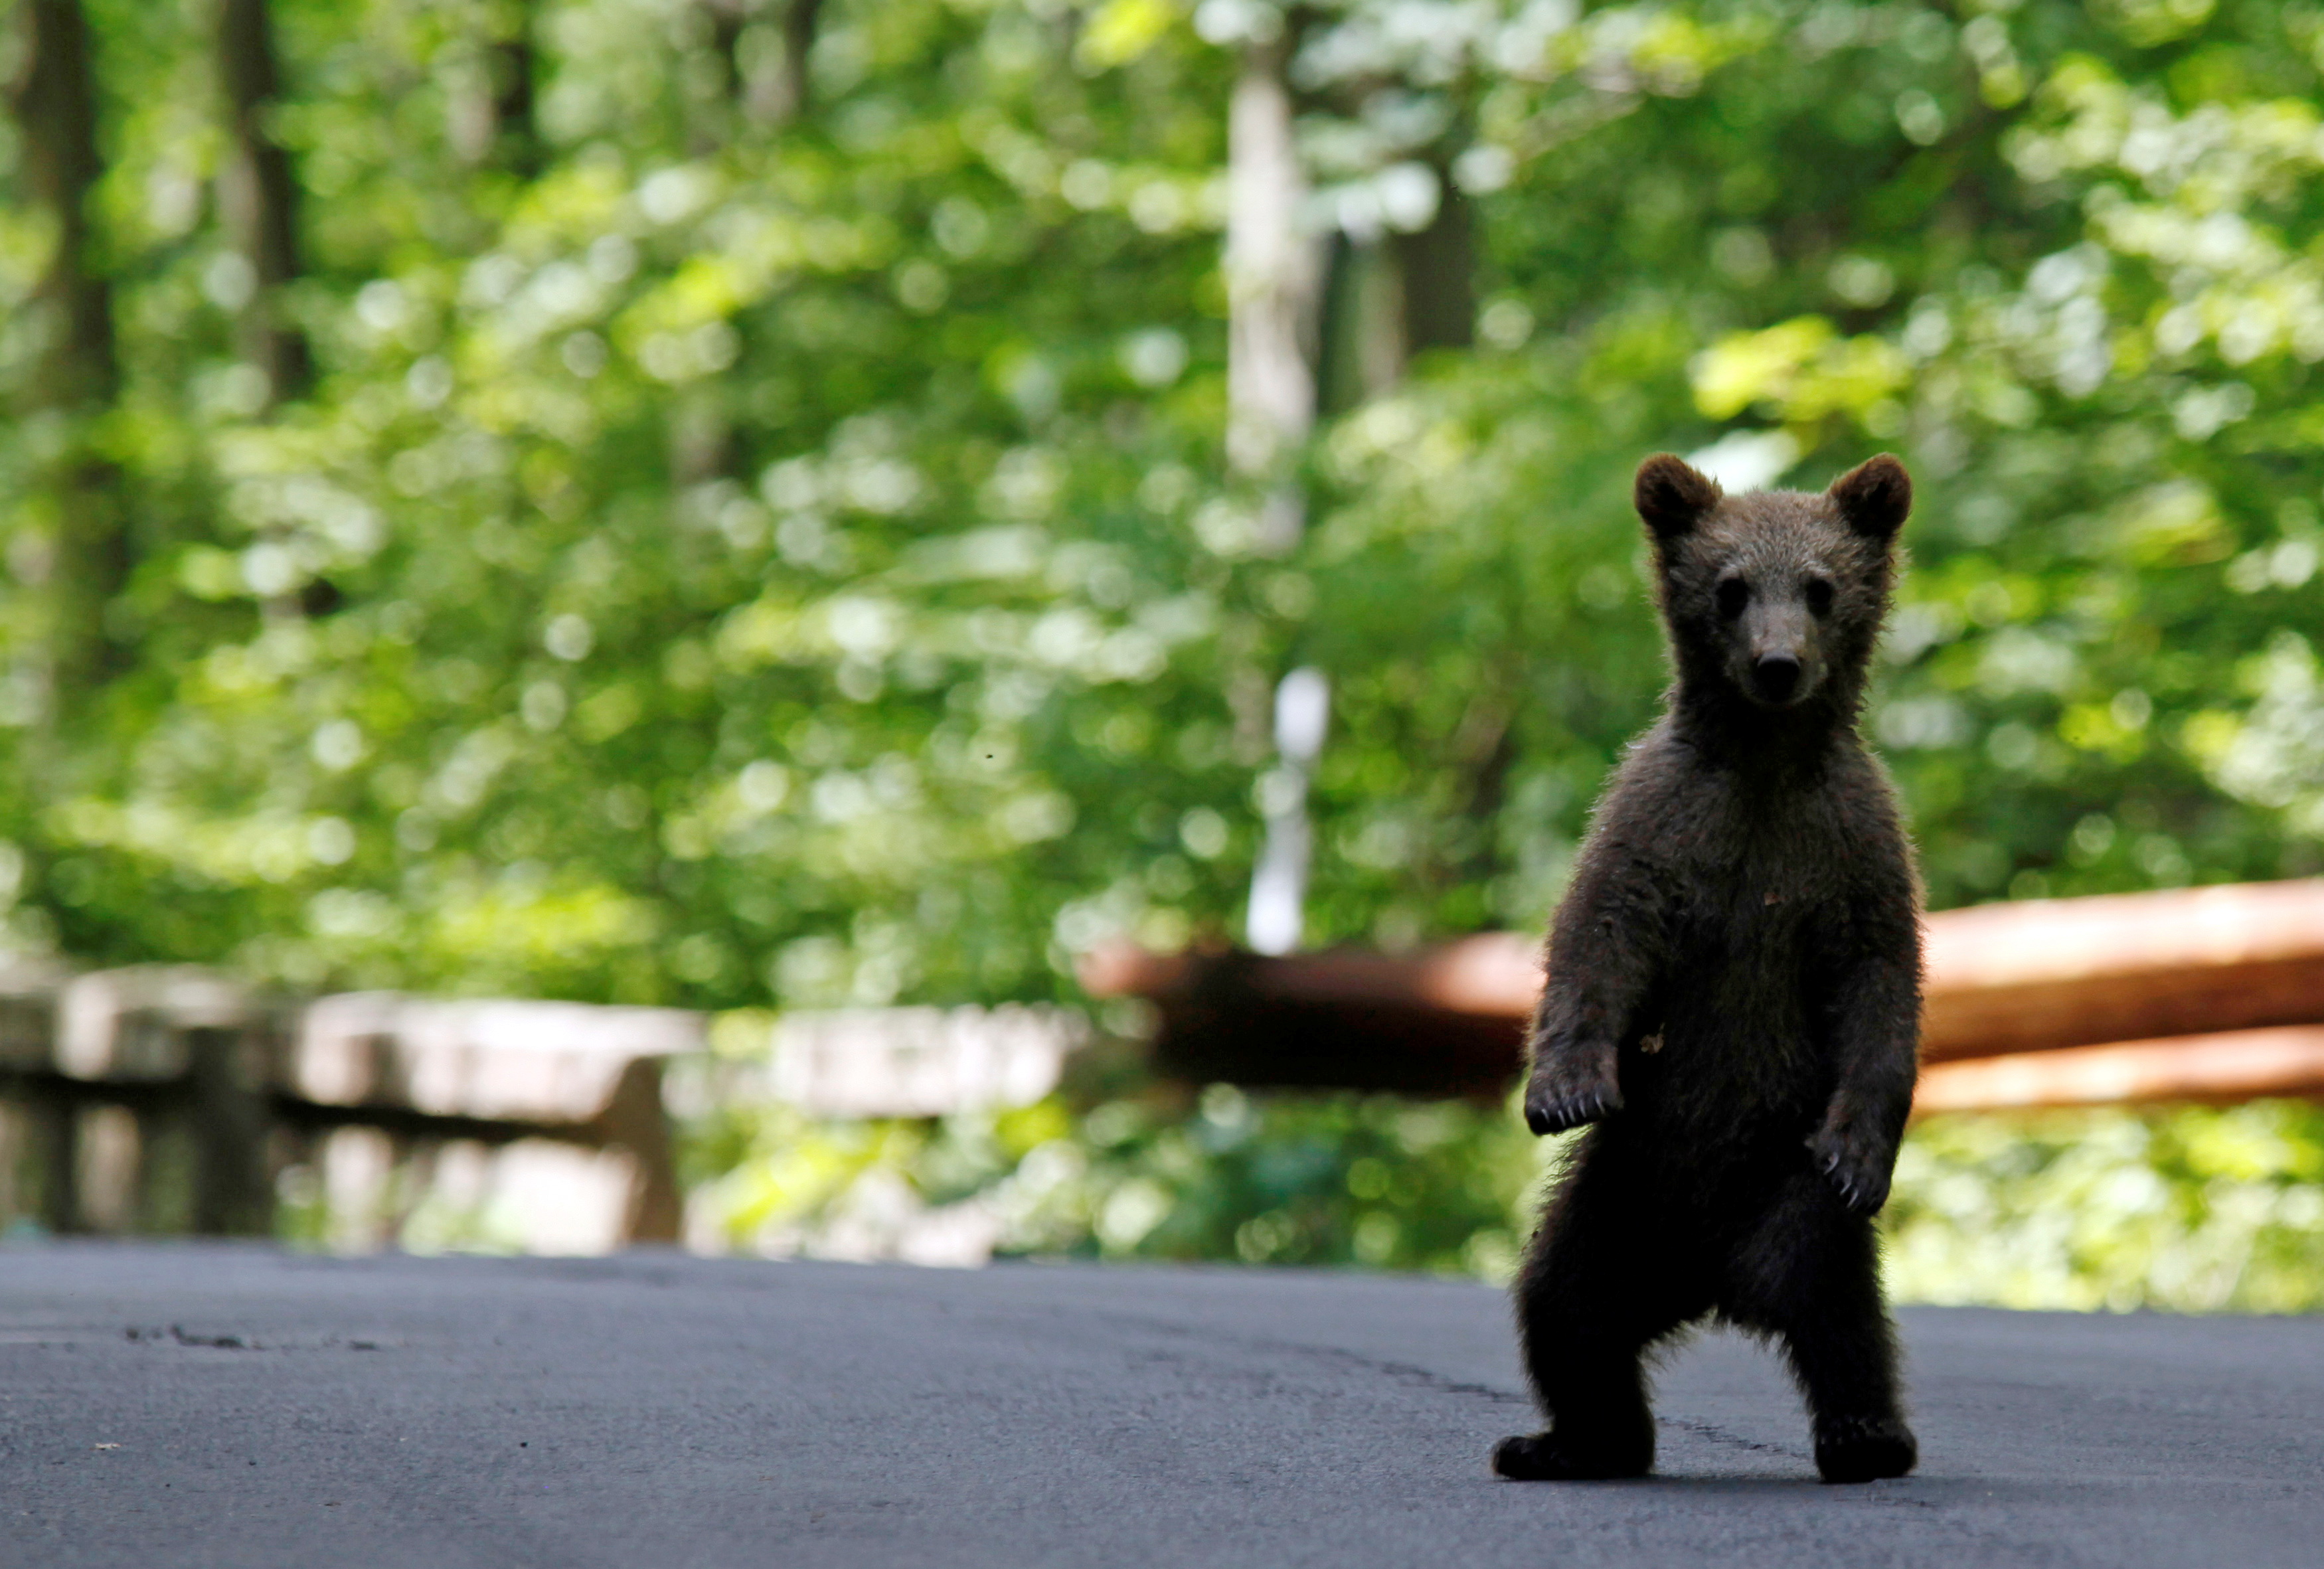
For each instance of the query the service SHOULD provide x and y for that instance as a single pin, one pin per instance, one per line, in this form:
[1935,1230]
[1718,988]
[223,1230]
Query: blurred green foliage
[758,532]
[1316,1180]
[726,560]
[2191,1209]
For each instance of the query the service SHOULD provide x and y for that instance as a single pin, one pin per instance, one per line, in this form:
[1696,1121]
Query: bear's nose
[1778,676]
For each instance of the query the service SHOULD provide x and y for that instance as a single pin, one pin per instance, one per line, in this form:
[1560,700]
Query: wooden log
[2044,973]
[1443,1023]
[2002,979]
[1492,975]
[2233,1065]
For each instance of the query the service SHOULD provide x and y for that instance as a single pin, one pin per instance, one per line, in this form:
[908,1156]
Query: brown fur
[1734,994]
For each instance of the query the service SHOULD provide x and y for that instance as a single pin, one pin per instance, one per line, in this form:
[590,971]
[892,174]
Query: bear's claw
[1849,1194]
[1863,1191]
[1547,1117]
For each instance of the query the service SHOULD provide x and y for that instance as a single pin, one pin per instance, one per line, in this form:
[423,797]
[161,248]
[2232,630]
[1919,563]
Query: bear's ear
[1671,497]
[1875,497]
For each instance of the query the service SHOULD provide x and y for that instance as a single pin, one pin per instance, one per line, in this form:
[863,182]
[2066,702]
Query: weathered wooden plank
[2045,974]
[2227,1066]
[498,1059]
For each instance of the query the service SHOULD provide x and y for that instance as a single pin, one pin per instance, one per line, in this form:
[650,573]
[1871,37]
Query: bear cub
[1734,996]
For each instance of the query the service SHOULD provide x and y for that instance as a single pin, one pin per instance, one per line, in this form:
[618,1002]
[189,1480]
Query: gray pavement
[164,1405]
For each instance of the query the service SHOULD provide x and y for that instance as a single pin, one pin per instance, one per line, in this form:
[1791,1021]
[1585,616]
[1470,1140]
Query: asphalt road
[164,1405]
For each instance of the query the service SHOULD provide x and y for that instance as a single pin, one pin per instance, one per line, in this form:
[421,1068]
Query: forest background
[742,503]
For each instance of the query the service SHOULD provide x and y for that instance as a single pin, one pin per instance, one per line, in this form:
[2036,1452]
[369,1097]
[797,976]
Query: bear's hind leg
[1809,1273]
[1593,1295]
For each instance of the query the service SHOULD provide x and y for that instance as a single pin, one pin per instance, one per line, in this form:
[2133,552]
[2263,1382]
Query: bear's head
[1775,596]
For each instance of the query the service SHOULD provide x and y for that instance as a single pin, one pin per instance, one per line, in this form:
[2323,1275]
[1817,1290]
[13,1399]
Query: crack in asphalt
[178,1334]
[1717,1435]
[1409,1374]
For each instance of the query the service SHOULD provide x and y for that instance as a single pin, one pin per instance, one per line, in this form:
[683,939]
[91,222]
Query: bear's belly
[1728,1056]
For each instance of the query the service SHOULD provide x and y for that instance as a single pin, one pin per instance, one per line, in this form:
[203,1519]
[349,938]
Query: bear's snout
[1776,678]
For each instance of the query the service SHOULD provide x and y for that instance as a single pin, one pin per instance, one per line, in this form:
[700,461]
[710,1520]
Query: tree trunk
[1273,277]
[78,374]
[490,116]
[516,133]
[788,97]
[1361,351]
[1274,283]
[259,192]
[767,92]
[1391,298]
[56,108]
[728,20]
[1438,266]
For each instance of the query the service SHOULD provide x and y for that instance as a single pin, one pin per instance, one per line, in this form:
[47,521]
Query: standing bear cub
[1734,996]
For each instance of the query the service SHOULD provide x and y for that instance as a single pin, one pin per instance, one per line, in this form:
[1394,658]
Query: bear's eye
[1818,596]
[1734,593]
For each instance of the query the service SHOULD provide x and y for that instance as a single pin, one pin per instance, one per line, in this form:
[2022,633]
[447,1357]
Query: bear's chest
[1733,1046]
[1756,878]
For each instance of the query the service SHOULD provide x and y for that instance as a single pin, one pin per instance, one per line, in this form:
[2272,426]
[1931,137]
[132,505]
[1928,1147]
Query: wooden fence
[166,1099]
[171,1100]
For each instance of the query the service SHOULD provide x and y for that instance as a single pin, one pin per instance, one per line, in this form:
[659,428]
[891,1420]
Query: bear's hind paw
[1539,1457]
[1865,1449]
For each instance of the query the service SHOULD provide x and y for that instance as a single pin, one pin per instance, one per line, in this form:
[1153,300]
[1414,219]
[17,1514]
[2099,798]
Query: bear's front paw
[1858,1173]
[1559,1098]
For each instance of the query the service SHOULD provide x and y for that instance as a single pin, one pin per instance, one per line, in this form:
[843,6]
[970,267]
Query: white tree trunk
[1276,919]
[1273,274]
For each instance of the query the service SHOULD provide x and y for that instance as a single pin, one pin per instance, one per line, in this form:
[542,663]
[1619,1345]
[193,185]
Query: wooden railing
[172,1099]
[169,1099]
[164,1099]
[2190,994]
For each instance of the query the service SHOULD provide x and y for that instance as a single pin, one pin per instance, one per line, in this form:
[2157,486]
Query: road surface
[178,1404]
